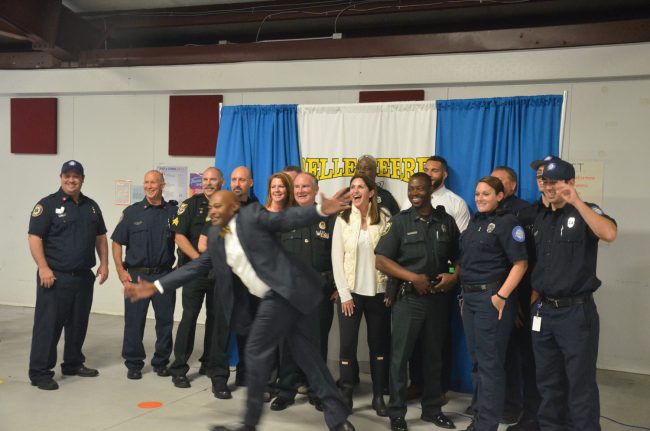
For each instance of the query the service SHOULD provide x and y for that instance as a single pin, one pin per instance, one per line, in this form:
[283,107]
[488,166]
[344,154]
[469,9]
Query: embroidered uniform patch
[38,210]
[182,209]
[518,234]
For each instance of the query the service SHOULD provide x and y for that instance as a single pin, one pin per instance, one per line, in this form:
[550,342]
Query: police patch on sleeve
[386,229]
[182,208]
[518,234]
[38,210]
[597,209]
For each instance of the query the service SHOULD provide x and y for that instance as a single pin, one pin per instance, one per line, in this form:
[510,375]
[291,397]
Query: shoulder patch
[596,209]
[182,208]
[518,234]
[386,229]
[37,211]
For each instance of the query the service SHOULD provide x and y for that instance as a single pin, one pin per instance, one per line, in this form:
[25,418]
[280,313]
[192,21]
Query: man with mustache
[187,225]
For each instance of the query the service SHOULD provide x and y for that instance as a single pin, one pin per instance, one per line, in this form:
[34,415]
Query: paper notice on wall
[123,192]
[196,184]
[590,180]
[175,182]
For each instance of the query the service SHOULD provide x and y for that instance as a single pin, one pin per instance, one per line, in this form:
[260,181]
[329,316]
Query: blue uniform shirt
[68,230]
[146,232]
[566,253]
[489,246]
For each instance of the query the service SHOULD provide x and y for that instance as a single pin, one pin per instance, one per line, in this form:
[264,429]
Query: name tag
[537,323]
[415,232]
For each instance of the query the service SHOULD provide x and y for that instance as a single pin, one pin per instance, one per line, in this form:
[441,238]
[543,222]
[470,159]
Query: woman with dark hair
[361,288]
[493,260]
[279,195]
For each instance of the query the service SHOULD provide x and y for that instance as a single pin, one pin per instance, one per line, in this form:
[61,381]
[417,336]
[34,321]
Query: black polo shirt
[567,249]
[189,221]
[68,230]
[146,232]
[489,246]
[423,246]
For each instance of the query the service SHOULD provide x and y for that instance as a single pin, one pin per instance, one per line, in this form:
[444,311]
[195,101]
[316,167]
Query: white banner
[400,135]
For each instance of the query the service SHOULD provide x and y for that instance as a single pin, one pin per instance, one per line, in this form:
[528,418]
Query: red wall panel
[34,125]
[391,96]
[193,125]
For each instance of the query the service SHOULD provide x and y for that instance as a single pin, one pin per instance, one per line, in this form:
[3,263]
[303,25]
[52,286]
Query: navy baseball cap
[558,169]
[73,165]
[535,164]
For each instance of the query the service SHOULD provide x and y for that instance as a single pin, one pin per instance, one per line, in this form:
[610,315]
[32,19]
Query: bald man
[241,181]
[145,231]
[244,243]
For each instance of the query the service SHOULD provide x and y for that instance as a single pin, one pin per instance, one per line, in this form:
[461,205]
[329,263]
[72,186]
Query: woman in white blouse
[361,289]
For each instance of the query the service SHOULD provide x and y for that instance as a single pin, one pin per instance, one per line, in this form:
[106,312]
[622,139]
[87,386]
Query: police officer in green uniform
[415,251]
[65,229]
[187,225]
[312,246]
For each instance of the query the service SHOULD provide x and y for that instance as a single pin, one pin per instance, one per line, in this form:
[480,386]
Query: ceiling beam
[616,32]
[51,27]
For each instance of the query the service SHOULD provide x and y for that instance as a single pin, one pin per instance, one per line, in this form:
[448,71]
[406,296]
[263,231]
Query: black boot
[378,374]
[346,381]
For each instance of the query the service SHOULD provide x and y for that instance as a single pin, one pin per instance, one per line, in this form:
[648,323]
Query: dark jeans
[414,315]
[64,305]
[487,342]
[277,319]
[378,327]
[135,318]
[566,350]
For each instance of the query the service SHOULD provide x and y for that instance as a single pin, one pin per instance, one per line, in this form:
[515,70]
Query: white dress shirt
[239,264]
[454,205]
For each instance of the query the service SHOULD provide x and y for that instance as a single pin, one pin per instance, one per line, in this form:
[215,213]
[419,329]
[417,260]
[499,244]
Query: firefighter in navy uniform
[65,229]
[312,246]
[145,230]
[565,320]
[493,260]
[415,251]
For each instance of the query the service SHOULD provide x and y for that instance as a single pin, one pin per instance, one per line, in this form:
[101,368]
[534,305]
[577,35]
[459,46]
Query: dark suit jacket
[285,275]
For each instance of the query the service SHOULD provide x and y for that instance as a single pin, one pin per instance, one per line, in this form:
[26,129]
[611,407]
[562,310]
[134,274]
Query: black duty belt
[149,271]
[568,301]
[473,288]
[78,273]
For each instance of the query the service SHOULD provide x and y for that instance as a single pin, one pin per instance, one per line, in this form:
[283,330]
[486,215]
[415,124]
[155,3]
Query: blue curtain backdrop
[264,138]
[475,135]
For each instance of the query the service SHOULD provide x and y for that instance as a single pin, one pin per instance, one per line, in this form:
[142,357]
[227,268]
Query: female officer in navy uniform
[493,260]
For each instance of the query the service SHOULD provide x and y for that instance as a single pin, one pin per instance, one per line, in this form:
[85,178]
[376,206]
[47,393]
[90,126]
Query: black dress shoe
[134,374]
[398,424]
[221,391]
[510,417]
[82,371]
[46,385]
[181,382]
[281,403]
[345,426]
[317,403]
[524,425]
[232,428]
[162,371]
[439,420]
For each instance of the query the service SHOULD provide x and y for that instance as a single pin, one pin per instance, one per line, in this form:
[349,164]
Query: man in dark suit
[243,244]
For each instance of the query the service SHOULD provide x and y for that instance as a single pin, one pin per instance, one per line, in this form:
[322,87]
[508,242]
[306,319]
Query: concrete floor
[110,401]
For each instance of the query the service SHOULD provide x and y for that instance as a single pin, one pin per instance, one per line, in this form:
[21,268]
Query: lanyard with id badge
[537,319]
